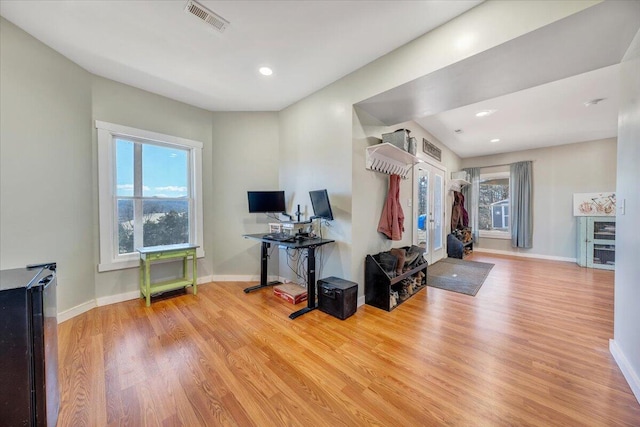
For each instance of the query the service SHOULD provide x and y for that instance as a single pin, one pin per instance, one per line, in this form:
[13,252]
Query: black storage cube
[337,297]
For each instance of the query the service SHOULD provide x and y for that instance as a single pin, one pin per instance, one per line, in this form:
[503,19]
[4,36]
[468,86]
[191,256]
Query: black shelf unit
[378,285]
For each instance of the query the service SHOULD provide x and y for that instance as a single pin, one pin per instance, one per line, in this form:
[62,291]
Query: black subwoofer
[337,297]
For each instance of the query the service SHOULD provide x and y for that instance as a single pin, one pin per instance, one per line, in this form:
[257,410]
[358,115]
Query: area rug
[458,275]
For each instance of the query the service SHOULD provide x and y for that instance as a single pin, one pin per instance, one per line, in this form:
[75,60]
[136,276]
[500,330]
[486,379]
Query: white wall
[367,131]
[558,173]
[626,343]
[125,105]
[46,192]
[323,127]
[245,157]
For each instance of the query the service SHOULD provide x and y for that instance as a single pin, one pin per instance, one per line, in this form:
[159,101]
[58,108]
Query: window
[150,193]
[494,217]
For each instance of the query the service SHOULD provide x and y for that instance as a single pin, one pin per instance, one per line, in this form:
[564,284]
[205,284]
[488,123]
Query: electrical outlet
[409,202]
[621,206]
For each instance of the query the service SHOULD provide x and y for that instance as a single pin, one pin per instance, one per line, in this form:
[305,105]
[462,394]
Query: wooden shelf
[378,285]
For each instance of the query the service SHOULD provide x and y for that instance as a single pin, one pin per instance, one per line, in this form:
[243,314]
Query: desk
[310,245]
[157,253]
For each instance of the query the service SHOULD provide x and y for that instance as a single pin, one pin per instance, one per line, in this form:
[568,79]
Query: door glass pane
[165,222]
[423,209]
[437,212]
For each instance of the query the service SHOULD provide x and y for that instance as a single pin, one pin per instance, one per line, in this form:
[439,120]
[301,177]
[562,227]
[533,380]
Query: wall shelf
[457,184]
[391,160]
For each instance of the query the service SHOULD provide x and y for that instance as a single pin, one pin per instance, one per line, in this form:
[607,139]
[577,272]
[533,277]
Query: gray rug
[458,275]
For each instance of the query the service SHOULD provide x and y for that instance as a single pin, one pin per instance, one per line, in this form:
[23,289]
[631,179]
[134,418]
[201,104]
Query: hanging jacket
[392,219]
[459,214]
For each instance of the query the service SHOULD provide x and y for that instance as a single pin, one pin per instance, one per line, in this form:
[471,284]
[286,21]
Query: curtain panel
[521,195]
[471,195]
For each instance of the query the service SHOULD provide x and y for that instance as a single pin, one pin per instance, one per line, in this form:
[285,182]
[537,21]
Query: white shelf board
[457,184]
[389,159]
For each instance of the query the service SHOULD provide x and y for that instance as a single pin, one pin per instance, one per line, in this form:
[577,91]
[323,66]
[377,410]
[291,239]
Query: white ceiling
[537,83]
[156,46]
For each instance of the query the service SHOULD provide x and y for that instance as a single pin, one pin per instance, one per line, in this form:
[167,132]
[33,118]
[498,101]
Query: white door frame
[432,169]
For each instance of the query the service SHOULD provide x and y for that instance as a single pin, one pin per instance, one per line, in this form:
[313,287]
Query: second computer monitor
[320,204]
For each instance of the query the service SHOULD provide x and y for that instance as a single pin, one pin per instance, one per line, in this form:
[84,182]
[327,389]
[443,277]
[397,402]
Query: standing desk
[310,245]
[158,253]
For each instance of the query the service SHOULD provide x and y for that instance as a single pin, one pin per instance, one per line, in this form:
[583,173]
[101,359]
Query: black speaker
[337,297]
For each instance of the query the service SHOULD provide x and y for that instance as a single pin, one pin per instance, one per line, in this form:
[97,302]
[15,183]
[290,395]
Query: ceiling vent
[198,10]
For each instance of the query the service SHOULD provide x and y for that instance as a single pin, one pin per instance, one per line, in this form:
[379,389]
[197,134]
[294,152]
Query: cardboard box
[291,292]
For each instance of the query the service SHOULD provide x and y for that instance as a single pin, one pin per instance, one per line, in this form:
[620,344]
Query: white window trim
[495,234]
[107,133]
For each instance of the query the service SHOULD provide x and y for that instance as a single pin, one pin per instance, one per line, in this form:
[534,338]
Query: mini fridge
[29,393]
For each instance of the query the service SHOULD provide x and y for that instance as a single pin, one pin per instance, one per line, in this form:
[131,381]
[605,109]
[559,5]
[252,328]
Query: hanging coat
[459,215]
[392,219]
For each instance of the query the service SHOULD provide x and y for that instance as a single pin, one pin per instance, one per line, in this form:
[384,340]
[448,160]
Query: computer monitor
[320,204]
[266,201]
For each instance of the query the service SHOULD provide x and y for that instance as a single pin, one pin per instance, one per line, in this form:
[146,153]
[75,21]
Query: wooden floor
[530,349]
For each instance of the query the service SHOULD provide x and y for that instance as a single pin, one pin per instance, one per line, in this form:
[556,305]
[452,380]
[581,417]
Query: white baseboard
[111,299]
[360,302]
[242,278]
[76,311]
[524,255]
[627,370]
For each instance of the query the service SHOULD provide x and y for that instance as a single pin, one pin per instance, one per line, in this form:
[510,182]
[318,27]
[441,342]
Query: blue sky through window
[164,170]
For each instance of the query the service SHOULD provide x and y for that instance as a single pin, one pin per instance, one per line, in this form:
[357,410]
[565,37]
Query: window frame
[496,234]
[110,259]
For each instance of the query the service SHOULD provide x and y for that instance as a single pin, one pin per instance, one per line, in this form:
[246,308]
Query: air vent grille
[198,10]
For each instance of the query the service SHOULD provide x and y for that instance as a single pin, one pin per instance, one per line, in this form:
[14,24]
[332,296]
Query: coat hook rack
[391,160]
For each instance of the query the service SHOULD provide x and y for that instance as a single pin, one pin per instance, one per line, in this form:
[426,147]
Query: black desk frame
[310,245]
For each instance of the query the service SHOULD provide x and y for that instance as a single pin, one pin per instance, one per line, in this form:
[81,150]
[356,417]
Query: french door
[428,210]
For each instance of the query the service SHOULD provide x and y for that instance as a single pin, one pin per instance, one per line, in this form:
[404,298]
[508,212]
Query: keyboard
[280,237]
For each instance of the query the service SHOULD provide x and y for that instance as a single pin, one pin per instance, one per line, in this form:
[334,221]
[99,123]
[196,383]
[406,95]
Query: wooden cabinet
[383,291]
[596,242]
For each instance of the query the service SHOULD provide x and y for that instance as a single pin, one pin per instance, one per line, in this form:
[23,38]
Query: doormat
[457,275]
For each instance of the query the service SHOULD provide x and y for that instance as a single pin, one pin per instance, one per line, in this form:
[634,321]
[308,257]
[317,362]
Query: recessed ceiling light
[495,140]
[458,131]
[485,113]
[594,102]
[265,71]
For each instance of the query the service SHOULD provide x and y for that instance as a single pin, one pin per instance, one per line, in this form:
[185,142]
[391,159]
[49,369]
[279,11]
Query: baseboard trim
[524,255]
[360,301]
[76,311]
[111,299]
[629,374]
[242,278]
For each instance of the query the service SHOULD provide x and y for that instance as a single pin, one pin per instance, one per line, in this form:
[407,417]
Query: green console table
[166,252]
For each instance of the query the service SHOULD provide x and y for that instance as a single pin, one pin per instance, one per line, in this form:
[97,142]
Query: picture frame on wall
[594,204]
[431,150]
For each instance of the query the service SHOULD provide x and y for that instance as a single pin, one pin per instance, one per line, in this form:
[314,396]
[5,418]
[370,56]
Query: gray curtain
[521,195]
[471,195]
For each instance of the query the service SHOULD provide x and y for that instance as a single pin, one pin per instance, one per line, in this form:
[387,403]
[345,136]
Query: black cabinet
[385,292]
[29,394]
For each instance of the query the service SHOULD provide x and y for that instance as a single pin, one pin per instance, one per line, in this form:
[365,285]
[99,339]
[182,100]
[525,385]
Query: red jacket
[392,219]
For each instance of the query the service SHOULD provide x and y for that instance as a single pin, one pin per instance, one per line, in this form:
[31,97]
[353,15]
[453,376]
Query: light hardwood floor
[531,349]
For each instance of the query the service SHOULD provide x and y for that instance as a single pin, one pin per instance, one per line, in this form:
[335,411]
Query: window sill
[495,235]
[133,261]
